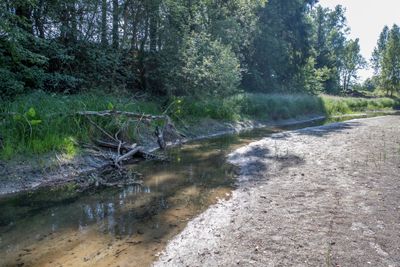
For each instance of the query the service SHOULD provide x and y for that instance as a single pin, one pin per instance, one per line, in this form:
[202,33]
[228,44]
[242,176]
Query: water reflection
[172,193]
[120,225]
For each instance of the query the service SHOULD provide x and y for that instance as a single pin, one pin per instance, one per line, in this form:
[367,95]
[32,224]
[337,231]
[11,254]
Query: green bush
[10,85]
[204,68]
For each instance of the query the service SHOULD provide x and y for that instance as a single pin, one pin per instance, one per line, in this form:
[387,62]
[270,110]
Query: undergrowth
[38,123]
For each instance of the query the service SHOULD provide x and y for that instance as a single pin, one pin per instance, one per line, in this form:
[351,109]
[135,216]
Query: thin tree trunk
[74,24]
[39,17]
[115,30]
[125,28]
[104,42]
[153,26]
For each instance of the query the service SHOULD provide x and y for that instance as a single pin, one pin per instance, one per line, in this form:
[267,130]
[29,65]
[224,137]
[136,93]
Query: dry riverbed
[326,195]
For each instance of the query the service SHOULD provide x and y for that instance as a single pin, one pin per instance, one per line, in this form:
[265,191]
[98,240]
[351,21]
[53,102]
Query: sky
[366,18]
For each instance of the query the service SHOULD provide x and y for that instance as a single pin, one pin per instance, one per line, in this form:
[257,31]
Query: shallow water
[121,226]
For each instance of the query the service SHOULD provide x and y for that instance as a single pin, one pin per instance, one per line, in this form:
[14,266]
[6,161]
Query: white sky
[366,18]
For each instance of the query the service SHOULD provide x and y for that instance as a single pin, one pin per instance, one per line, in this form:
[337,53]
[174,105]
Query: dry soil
[321,196]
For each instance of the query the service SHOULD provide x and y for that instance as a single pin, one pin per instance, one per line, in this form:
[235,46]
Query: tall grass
[277,106]
[342,105]
[42,122]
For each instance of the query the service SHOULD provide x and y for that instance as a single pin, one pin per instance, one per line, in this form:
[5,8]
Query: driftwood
[129,152]
[127,155]
[168,131]
[137,116]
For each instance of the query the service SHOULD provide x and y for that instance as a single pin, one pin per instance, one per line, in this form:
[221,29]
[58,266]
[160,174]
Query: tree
[371,84]
[104,27]
[281,46]
[168,47]
[377,54]
[390,62]
[352,61]
[329,42]
[115,24]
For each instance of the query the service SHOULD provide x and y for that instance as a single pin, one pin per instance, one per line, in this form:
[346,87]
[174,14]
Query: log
[127,155]
[137,116]
[127,148]
[114,146]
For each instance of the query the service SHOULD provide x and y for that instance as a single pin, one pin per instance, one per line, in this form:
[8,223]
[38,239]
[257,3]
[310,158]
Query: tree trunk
[153,26]
[39,18]
[125,27]
[115,30]
[104,42]
[64,23]
[73,31]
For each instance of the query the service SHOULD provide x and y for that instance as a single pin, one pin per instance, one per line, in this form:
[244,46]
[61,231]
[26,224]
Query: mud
[325,195]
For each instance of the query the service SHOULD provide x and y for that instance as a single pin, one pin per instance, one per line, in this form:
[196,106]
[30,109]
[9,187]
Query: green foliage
[215,108]
[10,85]
[45,122]
[313,78]
[206,68]
[278,106]
[334,53]
[390,62]
[280,47]
[342,105]
[196,49]
[352,61]
[377,54]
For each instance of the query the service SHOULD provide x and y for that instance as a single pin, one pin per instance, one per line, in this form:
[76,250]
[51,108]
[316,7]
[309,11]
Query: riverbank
[59,169]
[38,123]
[43,146]
[323,195]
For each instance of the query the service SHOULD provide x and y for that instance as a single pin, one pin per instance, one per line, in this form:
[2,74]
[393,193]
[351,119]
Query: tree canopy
[177,47]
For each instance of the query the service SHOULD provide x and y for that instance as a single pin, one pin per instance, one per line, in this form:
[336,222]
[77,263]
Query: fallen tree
[125,151]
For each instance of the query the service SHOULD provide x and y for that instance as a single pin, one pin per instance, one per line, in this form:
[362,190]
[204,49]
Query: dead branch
[101,129]
[137,116]
[127,155]
[114,146]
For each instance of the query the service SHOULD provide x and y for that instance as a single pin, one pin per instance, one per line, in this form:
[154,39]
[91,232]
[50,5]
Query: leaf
[35,122]
[110,106]
[31,112]
[18,117]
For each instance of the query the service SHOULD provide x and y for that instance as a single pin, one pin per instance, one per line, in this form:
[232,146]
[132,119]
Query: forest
[182,48]
[220,59]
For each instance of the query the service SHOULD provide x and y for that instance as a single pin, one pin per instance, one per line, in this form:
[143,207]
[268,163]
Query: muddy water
[120,226]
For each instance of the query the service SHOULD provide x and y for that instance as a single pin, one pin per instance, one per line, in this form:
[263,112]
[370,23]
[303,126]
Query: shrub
[206,68]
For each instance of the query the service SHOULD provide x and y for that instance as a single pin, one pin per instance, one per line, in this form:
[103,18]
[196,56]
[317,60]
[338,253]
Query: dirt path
[322,196]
